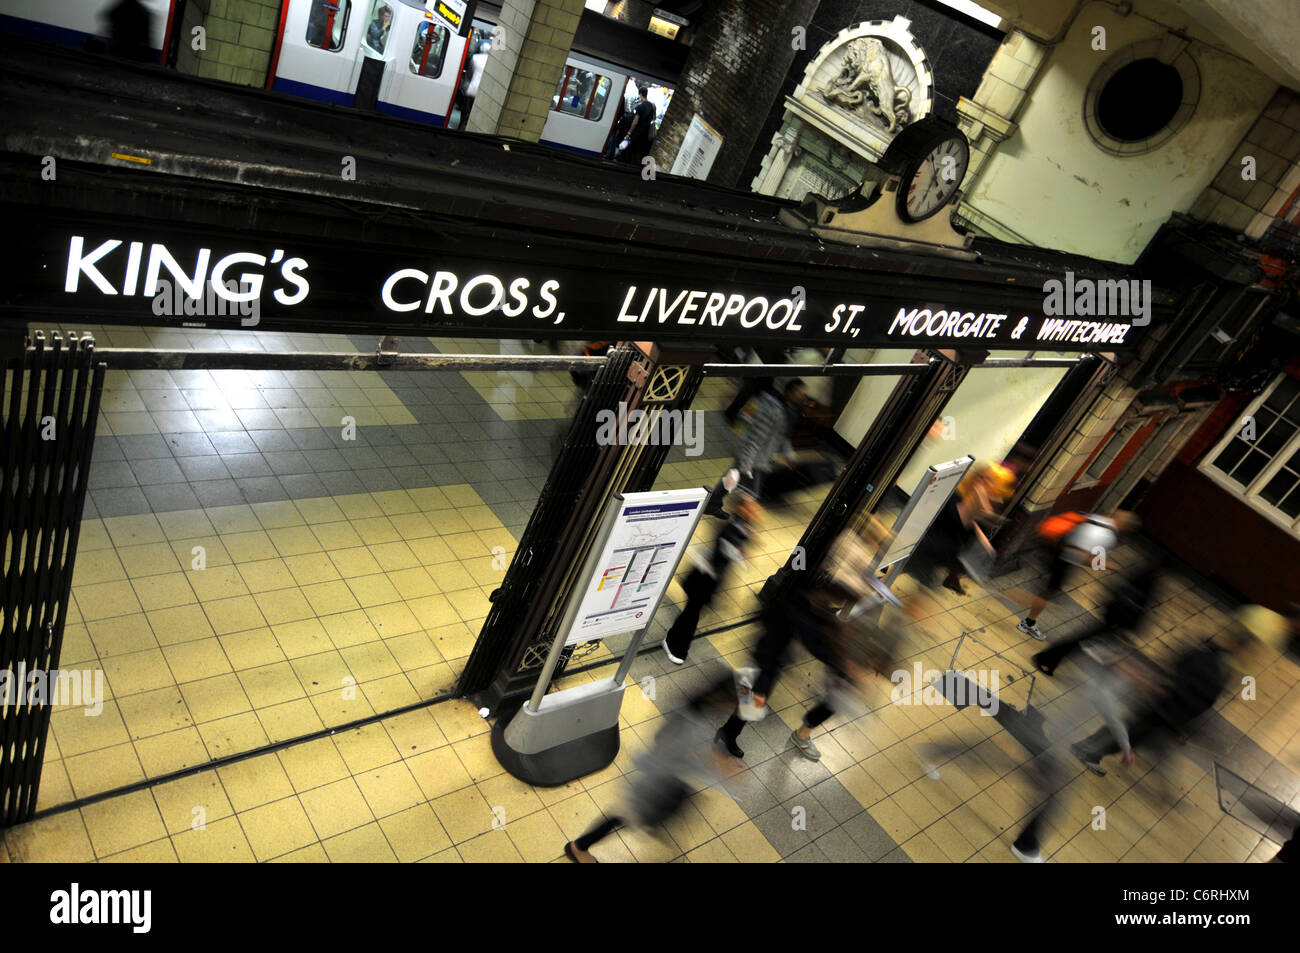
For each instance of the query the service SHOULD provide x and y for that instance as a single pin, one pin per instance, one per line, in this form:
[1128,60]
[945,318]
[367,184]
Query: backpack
[1054,529]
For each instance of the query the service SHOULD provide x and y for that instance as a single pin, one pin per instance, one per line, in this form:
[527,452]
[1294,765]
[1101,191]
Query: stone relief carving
[866,79]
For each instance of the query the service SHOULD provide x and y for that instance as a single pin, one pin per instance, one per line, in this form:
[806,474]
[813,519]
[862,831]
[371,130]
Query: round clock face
[929,183]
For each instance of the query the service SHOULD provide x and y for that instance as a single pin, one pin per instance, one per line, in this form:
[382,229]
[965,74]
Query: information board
[931,493]
[700,146]
[642,545]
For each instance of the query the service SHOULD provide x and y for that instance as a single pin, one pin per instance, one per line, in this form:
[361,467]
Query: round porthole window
[1141,97]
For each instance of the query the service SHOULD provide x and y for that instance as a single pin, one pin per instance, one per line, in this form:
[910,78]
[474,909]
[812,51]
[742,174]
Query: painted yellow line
[139,159]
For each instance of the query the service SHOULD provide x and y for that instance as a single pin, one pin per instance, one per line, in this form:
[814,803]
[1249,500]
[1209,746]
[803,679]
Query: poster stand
[556,738]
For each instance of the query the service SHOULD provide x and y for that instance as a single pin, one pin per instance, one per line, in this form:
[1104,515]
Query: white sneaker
[671,657]
[1031,629]
[1027,857]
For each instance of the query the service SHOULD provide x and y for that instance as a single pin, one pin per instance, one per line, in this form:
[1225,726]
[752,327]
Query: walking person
[640,132]
[1122,614]
[1075,540]
[766,435]
[703,582]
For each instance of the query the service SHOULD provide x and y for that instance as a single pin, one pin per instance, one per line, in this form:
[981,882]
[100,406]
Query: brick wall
[239,41]
[732,78]
[1274,141]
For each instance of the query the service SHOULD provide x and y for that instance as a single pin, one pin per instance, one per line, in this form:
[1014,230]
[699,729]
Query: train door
[424,66]
[317,53]
[584,107]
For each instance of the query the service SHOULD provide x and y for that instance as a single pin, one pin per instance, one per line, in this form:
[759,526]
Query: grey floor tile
[777,776]
[311,438]
[444,474]
[780,829]
[341,482]
[143,446]
[750,793]
[120,501]
[232,442]
[840,848]
[217,493]
[160,470]
[410,478]
[809,773]
[189,444]
[815,818]
[203,468]
[273,440]
[168,497]
[323,460]
[896,856]
[219,421]
[397,456]
[873,839]
[106,474]
[361,458]
[107,450]
[837,800]
[378,480]
[243,465]
[303,486]
[811,854]
[287,462]
[261,490]
[428,453]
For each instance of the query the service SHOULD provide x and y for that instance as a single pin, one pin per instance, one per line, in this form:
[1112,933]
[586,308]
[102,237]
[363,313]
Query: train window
[327,24]
[380,24]
[582,93]
[430,49]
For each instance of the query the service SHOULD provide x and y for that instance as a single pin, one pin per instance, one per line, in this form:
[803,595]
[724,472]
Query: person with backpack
[1074,540]
[703,582]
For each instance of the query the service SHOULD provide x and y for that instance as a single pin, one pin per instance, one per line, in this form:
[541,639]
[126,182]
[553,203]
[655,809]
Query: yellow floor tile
[270,685]
[233,735]
[312,854]
[415,833]
[336,807]
[252,648]
[103,770]
[57,839]
[365,845]
[438,772]
[367,748]
[493,847]
[180,624]
[290,720]
[389,789]
[218,842]
[301,638]
[277,828]
[159,852]
[122,635]
[191,661]
[123,822]
[464,814]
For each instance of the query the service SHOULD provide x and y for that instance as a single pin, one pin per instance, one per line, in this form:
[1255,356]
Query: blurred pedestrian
[129,27]
[1075,539]
[1123,614]
[708,575]
[767,435]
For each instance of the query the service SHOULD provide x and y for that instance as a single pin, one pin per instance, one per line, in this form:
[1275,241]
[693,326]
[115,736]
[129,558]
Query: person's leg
[1055,582]
[1047,660]
[1027,845]
[579,850]
[729,733]
[678,641]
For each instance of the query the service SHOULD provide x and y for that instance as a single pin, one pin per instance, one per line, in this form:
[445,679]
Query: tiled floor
[426,786]
[315,608]
[247,573]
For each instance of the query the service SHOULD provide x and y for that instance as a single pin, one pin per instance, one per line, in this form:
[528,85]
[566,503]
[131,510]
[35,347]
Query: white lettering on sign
[482,294]
[717,309]
[93,265]
[952,323]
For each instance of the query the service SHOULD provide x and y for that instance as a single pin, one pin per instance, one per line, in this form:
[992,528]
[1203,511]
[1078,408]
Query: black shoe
[1093,765]
[1042,666]
[732,748]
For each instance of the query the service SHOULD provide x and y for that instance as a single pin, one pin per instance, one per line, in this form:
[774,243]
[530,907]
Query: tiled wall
[240,35]
[1274,142]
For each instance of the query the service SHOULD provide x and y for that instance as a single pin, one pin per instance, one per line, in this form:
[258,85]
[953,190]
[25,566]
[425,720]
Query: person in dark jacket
[767,435]
[129,24]
[703,582]
[1122,615]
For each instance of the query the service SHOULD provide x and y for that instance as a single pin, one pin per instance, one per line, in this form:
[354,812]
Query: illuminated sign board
[450,12]
[76,272]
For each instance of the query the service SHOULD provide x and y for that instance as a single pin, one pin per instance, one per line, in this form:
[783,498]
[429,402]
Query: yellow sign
[449,13]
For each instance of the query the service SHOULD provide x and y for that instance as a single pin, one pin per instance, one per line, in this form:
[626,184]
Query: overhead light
[975,11]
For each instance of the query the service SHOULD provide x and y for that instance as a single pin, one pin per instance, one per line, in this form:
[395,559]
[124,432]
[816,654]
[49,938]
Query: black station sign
[68,272]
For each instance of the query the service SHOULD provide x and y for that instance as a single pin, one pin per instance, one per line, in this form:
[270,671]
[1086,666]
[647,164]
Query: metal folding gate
[51,403]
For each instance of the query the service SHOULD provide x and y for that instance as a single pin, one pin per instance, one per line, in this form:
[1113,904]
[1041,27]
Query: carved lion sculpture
[866,67]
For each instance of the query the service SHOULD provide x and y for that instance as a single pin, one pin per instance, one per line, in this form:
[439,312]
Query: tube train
[391,56]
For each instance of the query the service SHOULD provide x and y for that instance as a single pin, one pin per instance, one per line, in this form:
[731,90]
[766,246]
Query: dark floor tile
[443,474]
[232,442]
[203,468]
[897,856]
[750,793]
[303,486]
[777,825]
[189,444]
[520,489]
[168,497]
[106,474]
[410,478]
[777,776]
[341,482]
[145,446]
[837,800]
[361,458]
[473,471]
[243,465]
[811,854]
[161,470]
[261,490]
[873,839]
[272,440]
[217,493]
[840,848]
[120,501]
[813,815]
[428,453]
[378,480]
[323,460]
[384,435]
[397,456]
[287,462]
[107,450]
[311,438]
[491,492]
[810,773]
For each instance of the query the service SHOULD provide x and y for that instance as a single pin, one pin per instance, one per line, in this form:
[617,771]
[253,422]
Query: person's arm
[636,118]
